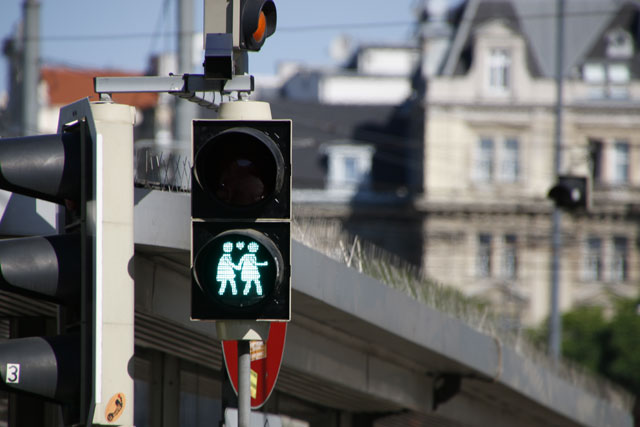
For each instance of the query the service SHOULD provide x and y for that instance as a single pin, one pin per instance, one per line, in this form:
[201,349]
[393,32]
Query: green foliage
[610,347]
[624,345]
[583,331]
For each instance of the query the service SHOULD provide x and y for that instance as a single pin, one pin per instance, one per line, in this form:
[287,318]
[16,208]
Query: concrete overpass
[356,349]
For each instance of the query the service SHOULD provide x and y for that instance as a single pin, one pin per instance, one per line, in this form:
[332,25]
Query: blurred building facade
[444,158]
[483,91]
[489,154]
[442,151]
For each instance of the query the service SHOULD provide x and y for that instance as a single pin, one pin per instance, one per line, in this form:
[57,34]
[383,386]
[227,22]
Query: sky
[122,34]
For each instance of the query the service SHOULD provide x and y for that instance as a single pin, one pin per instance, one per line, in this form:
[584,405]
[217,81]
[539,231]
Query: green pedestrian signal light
[238,268]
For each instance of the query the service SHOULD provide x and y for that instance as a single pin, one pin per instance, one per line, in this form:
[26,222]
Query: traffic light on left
[71,168]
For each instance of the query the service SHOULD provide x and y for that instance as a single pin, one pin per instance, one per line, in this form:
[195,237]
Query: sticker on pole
[115,407]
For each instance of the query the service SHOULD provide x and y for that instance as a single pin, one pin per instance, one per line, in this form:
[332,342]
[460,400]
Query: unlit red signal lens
[240,168]
[258,34]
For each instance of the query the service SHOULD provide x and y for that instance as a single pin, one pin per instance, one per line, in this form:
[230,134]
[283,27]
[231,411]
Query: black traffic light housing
[570,192]
[56,168]
[241,212]
[85,268]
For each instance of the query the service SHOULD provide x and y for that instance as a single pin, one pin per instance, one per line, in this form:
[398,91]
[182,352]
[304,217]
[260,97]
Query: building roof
[627,17]
[585,21]
[66,85]
[318,124]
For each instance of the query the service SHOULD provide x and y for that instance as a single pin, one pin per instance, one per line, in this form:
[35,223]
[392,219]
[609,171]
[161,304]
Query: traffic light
[241,213]
[249,22]
[84,268]
[258,21]
[570,192]
[47,167]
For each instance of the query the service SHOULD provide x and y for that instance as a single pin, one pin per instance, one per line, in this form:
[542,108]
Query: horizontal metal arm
[193,87]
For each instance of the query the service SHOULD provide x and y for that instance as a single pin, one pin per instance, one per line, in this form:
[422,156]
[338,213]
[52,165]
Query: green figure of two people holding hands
[248,267]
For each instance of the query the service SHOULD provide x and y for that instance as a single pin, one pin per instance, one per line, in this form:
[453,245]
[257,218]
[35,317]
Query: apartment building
[490,158]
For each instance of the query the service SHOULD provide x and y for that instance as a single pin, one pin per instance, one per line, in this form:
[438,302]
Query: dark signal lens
[240,168]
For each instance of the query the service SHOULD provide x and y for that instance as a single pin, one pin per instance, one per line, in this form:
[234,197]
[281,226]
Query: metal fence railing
[162,167]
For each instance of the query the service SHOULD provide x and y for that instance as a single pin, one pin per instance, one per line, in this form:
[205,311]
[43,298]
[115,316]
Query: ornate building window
[510,160]
[619,44]
[483,258]
[620,259]
[621,163]
[595,159]
[592,268]
[499,72]
[497,159]
[510,256]
[349,166]
[485,160]
[609,77]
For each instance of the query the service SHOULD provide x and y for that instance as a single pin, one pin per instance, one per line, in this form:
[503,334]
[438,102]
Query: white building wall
[387,61]
[382,76]
[377,90]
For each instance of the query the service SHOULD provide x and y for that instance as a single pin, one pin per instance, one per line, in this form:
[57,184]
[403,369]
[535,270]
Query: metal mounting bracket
[209,93]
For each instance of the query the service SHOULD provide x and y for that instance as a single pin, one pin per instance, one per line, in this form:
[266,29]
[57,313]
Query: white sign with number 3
[13,373]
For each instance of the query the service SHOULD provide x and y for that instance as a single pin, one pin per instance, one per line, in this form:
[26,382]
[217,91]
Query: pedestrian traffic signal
[241,212]
[84,268]
[570,192]
[258,20]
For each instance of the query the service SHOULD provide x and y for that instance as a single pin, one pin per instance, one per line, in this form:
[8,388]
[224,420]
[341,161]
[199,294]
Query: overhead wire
[160,22]
[312,28]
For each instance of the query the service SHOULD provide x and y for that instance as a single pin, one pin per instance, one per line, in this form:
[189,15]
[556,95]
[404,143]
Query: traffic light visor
[42,166]
[240,168]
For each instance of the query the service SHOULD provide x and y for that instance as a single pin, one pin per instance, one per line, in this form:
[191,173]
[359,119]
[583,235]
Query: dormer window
[349,166]
[499,70]
[607,80]
[609,77]
[619,44]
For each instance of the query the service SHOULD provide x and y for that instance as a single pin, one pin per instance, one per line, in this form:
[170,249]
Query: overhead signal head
[257,22]
[570,192]
[241,212]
